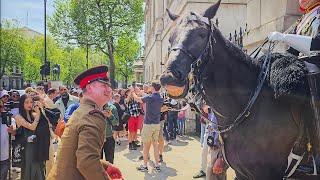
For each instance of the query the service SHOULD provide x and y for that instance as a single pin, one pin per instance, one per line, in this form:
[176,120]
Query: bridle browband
[196,89]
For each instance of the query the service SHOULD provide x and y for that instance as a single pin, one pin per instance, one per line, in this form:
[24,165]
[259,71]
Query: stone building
[260,16]
[138,70]
[158,26]
[12,81]
[265,16]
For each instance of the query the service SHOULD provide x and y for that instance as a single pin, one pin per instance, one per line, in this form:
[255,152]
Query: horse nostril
[177,74]
[166,78]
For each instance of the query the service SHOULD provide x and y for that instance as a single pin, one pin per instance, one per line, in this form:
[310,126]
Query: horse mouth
[176,91]
[176,88]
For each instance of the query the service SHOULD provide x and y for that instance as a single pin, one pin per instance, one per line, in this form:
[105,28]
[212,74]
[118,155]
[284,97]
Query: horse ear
[212,10]
[172,16]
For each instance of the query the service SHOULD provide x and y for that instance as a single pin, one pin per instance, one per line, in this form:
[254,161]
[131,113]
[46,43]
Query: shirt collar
[90,103]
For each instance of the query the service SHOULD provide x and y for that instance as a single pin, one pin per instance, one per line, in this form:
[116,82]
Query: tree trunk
[126,81]
[111,65]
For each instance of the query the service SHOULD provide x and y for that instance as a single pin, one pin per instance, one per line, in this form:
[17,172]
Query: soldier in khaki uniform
[81,143]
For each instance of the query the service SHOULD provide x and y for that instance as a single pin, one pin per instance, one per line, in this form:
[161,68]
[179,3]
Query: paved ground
[181,161]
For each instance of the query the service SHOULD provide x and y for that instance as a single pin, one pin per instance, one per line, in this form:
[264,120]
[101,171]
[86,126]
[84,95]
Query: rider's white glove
[298,42]
[276,37]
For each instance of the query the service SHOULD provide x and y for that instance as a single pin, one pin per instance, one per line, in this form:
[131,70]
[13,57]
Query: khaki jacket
[80,148]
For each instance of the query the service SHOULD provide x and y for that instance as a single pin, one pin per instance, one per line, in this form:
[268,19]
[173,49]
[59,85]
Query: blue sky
[28,12]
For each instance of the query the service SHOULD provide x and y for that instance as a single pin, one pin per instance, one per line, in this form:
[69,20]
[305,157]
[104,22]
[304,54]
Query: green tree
[32,62]
[71,60]
[127,51]
[97,23]
[12,53]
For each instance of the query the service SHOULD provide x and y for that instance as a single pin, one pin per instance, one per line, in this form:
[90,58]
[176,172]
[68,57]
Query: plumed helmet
[307,4]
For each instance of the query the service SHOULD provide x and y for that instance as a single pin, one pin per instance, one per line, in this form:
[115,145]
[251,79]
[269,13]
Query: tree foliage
[127,52]
[98,23]
[72,61]
[12,53]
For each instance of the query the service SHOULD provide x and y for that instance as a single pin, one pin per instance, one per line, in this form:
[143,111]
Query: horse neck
[230,77]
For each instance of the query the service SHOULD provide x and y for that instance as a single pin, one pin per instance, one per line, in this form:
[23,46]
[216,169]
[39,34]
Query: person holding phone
[151,124]
[34,128]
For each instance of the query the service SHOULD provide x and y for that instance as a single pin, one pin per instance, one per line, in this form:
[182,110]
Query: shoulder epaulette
[95,111]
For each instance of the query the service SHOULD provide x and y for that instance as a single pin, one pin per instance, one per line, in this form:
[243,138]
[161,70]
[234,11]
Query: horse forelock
[180,35]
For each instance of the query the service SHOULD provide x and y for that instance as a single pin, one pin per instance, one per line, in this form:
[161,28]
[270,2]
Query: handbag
[53,115]
[125,117]
[219,165]
[18,148]
[60,128]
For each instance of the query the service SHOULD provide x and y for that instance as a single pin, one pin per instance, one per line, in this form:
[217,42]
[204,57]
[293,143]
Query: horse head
[188,41]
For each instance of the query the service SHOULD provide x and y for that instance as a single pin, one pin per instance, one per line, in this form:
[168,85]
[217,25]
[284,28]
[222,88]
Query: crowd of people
[42,120]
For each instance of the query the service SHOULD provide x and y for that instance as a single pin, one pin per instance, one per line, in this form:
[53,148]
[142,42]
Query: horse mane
[287,75]
[235,51]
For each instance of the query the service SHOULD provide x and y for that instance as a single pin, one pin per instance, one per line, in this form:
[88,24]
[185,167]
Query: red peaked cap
[92,74]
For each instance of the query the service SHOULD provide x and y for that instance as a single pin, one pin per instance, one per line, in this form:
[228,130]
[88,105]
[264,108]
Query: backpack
[182,114]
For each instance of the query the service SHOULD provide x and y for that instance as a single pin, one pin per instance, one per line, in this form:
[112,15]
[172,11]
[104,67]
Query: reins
[195,77]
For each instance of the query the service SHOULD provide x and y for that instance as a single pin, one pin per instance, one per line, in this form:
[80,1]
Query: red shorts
[133,124]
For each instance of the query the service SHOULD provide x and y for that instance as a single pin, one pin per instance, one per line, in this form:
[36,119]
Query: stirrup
[291,157]
[314,167]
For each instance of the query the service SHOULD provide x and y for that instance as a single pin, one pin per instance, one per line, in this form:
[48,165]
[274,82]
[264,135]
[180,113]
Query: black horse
[258,147]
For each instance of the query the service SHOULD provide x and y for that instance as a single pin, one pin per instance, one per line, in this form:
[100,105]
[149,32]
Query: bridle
[195,83]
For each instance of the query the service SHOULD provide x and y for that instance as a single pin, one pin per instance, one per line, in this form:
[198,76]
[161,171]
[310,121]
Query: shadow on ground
[122,147]
[164,174]
[179,143]
[133,155]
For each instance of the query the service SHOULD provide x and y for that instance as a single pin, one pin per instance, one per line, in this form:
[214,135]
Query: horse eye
[203,35]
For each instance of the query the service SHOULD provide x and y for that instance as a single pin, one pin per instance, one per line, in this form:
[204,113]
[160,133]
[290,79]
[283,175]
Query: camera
[6,118]
[11,105]
[36,98]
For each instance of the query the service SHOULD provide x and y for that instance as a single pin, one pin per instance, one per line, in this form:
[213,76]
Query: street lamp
[87,56]
[45,39]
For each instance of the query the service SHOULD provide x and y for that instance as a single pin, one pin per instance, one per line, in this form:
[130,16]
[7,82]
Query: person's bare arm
[24,123]
[137,98]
